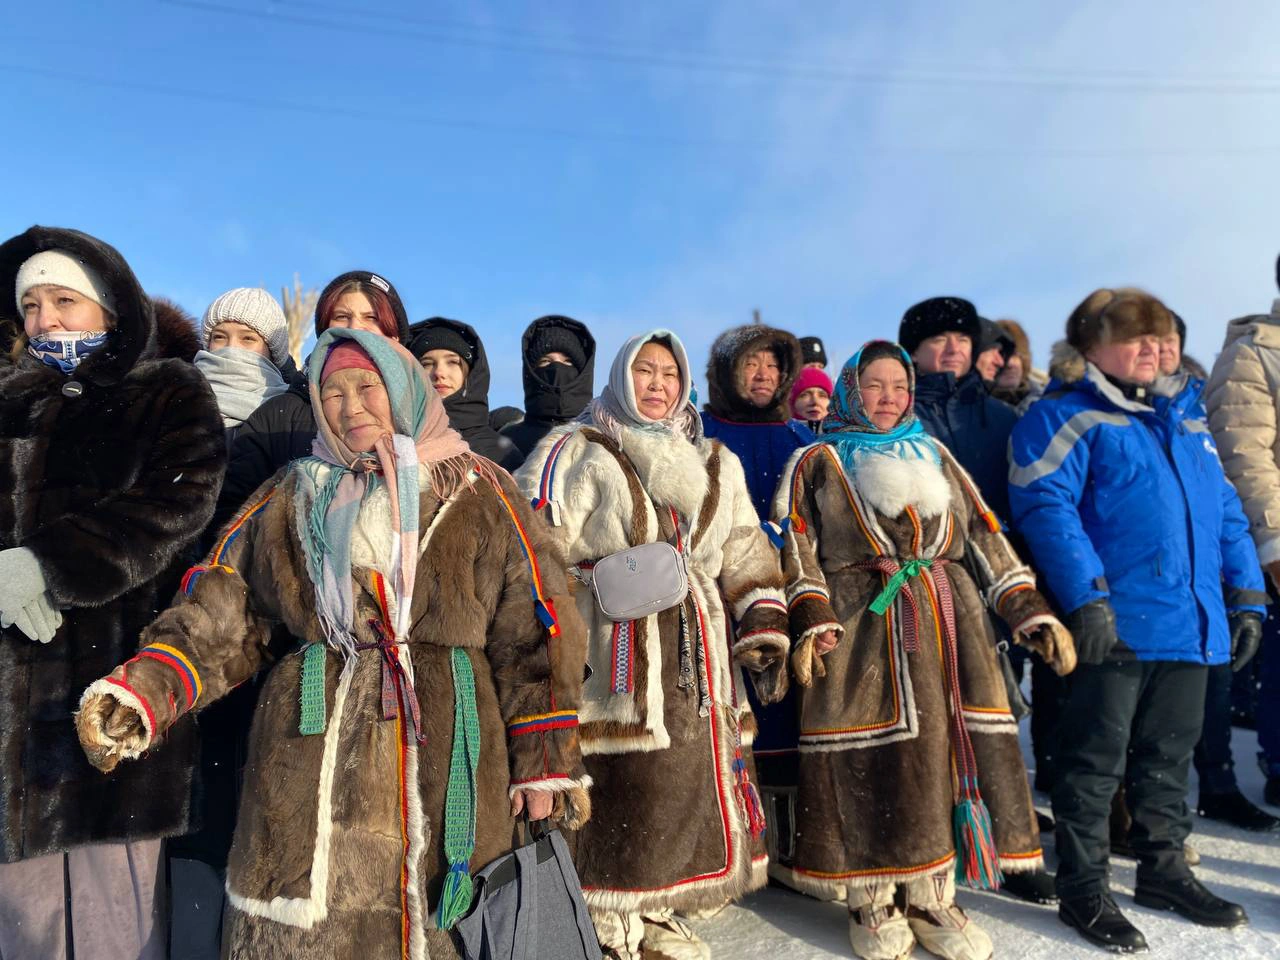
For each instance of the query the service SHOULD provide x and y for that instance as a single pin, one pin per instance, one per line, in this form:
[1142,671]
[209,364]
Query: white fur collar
[670,468]
[891,484]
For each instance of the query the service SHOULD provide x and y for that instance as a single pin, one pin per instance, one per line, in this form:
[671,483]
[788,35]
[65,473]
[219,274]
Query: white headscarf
[616,407]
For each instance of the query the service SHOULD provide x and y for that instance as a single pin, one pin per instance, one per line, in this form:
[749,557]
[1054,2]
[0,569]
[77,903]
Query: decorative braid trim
[542,722]
[179,663]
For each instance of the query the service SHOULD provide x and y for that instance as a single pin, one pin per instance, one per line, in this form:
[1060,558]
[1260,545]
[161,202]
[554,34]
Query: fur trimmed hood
[133,337]
[176,335]
[724,368]
[1066,363]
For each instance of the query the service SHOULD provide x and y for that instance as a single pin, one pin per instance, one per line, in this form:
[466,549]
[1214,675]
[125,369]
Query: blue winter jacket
[763,448]
[1129,502]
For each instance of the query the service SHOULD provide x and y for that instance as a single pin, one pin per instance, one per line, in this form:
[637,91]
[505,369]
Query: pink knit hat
[809,378]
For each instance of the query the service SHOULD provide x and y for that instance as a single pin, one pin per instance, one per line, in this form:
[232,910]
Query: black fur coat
[108,487]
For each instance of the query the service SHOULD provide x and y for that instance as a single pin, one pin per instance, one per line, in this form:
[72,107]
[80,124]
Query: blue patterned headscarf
[854,434]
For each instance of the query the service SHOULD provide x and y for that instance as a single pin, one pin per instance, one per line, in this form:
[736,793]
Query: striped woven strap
[460,795]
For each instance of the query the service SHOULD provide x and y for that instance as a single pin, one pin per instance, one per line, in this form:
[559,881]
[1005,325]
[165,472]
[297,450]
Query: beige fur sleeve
[797,525]
[1241,403]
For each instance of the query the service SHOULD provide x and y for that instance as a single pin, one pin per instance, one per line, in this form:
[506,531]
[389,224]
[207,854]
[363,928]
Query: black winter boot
[1188,897]
[1034,887]
[1097,918]
[1234,808]
[1272,792]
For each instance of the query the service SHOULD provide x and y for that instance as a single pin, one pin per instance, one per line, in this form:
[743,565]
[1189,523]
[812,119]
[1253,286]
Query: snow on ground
[1245,867]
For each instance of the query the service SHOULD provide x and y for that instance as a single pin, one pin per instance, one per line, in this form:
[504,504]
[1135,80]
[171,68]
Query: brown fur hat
[1122,313]
[1021,344]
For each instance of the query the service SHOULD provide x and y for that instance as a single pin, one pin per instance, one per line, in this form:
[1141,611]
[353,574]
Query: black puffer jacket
[281,430]
[468,409]
[107,476]
[974,425]
[554,394]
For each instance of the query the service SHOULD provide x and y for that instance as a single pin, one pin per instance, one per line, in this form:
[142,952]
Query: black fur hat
[936,316]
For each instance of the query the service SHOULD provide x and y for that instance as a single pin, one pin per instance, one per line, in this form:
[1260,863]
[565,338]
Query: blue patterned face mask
[66,349]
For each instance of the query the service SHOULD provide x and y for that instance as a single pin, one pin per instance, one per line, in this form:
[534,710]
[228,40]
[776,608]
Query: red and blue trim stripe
[543,606]
[543,722]
[809,595]
[233,531]
[548,482]
[177,661]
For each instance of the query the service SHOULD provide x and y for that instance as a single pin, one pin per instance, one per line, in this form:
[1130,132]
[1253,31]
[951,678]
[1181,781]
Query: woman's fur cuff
[103,750]
[572,804]
[1045,635]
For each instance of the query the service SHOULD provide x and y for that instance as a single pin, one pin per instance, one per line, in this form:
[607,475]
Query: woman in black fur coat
[110,462]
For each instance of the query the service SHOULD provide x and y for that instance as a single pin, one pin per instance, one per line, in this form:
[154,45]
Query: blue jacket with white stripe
[1126,501]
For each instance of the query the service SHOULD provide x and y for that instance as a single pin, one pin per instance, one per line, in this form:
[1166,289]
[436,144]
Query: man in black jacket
[953,404]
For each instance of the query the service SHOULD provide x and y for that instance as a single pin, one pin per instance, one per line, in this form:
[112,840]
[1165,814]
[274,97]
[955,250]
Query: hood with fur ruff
[724,368]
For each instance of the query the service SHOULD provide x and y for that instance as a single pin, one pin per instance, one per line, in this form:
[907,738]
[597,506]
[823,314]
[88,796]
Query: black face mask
[557,376]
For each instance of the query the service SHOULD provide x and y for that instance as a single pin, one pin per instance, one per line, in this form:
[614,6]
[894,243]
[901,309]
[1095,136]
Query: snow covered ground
[1240,866]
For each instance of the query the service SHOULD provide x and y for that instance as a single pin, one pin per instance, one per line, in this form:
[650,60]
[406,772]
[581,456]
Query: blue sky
[828,162]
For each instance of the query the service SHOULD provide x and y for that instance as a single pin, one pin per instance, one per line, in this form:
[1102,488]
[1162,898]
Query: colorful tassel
[749,796]
[977,862]
[797,522]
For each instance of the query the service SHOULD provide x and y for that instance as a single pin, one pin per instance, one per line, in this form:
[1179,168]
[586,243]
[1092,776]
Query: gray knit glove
[24,602]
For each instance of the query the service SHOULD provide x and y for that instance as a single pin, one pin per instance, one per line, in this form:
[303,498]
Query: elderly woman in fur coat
[112,458]
[665,724]
[911,776]
[435,695]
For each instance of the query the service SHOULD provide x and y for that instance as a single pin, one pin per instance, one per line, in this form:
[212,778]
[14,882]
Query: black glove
[1093,627]
[1246,636]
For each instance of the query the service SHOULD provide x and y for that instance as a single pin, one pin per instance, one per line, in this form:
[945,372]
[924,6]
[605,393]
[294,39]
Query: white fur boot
[668,938]
[619,933]
[939,925]
[878,930]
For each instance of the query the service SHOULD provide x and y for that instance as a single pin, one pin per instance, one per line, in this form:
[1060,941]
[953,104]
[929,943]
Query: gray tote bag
[528,906]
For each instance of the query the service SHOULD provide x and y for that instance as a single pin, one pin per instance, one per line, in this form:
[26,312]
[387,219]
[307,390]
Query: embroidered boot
[668,938]
[619,933]
[878,930]
[939,925]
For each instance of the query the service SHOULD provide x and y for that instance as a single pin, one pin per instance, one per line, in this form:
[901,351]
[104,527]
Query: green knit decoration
[312,718]
[460,798]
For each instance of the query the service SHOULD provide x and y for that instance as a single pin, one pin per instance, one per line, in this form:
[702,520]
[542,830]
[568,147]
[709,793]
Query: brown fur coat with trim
[322,837]
[107,475]
[875,794]
[669,827]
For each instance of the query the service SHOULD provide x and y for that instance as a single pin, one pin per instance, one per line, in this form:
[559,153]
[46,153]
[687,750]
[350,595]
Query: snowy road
[1244,867]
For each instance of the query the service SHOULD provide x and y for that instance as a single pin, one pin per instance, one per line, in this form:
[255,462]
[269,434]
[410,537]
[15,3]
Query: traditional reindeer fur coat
[338,850]
[107,476]
[875,794]
[671,808]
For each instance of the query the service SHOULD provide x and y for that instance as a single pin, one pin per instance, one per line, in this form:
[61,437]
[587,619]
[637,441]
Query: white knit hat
[60,269]
[256,309]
